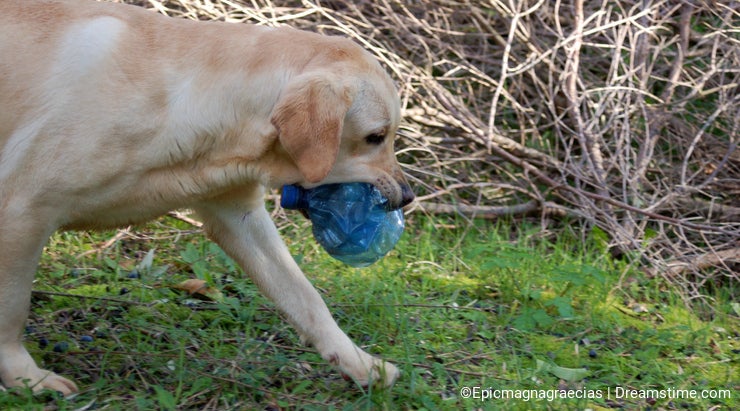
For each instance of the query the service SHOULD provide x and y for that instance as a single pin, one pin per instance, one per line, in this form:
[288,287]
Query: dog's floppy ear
[309,117]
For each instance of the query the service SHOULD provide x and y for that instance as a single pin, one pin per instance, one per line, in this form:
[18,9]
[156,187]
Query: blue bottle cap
[290,196]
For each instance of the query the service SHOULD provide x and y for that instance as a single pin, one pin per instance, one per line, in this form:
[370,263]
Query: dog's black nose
[407,196]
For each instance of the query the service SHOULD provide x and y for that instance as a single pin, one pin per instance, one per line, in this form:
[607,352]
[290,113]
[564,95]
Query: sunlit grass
[503,306]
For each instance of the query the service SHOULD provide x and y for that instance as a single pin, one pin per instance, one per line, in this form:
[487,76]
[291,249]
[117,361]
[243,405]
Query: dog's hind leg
[21,241]
[248,234]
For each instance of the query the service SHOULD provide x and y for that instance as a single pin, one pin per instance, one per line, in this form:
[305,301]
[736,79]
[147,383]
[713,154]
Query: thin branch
[482,211]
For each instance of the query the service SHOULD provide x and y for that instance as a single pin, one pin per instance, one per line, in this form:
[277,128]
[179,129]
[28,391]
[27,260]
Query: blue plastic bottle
[351,221]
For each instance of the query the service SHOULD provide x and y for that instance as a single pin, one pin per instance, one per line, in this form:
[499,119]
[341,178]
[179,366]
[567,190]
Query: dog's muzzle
[407,196]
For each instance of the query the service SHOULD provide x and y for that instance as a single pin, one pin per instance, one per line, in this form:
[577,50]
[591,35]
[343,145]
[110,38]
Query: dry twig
[621,114]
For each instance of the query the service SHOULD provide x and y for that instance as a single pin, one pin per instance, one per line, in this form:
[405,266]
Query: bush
[620,116]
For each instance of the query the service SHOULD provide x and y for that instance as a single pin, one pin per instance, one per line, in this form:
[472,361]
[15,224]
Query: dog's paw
[54,382]
[371,371]
[43,380]
[382,374]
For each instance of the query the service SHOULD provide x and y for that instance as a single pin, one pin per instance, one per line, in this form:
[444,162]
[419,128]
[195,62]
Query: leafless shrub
[622,115]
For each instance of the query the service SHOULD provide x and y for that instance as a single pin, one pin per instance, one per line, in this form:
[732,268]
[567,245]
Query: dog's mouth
[406,197]
[398,194]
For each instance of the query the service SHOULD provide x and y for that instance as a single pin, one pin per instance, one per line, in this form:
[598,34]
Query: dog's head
[337,120]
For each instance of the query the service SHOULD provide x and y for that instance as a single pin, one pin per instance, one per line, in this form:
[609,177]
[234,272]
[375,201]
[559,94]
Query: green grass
[495,306]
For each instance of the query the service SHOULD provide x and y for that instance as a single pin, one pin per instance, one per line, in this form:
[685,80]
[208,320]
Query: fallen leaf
[735,308]
[199,289]
[640,309]
[567,374]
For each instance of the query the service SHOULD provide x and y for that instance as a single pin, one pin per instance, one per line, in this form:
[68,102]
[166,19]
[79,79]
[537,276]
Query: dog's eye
[375,139]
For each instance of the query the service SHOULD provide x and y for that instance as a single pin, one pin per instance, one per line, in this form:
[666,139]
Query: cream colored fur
[112,115]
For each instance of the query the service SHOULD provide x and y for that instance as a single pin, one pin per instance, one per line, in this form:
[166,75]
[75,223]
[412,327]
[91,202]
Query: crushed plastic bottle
[351,221]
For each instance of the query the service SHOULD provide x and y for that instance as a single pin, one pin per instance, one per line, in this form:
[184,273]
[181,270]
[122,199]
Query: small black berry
[61,347]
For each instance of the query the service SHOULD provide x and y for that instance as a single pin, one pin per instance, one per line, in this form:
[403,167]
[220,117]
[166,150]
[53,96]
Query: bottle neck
[294,197]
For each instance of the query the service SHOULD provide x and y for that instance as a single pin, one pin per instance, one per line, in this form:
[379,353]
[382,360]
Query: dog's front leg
[21,240]
[249,236]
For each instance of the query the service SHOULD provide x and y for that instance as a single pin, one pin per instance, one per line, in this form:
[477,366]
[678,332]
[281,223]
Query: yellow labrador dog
[112,115]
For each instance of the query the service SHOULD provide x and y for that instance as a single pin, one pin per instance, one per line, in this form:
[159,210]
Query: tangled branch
[622,115]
